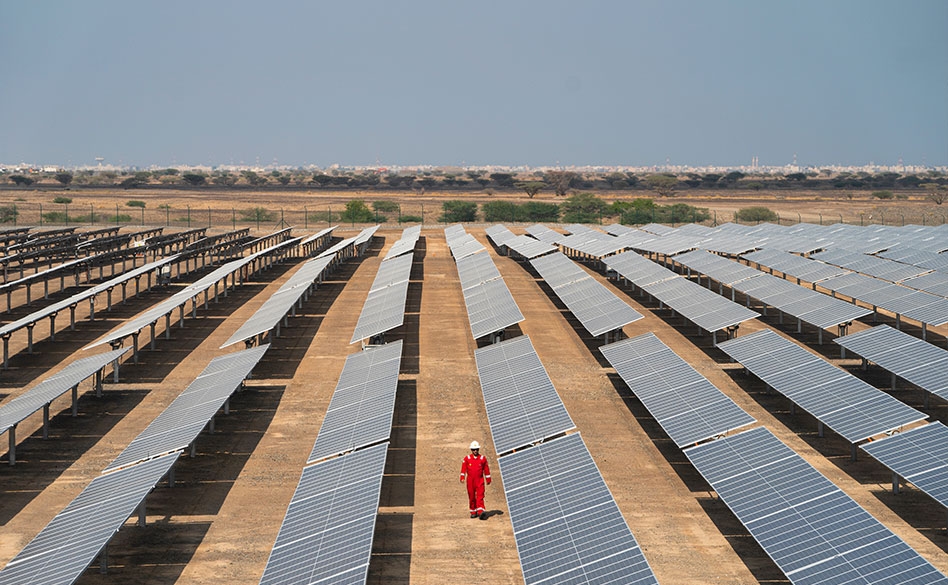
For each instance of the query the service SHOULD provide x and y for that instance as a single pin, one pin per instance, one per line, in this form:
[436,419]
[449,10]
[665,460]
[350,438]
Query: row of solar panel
[384,307]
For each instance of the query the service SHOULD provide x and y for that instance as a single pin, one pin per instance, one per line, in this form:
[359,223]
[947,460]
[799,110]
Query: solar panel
[846,404]
[405,244]
[870,265]
[72,540]
[911,255]
[812,530]
[920,455]
[528,247]
[703,307]
[362,405]
[453,231]
[638,269]
[337,247]
[686,405]
[464,245]
[326,535]
[475,269]
[908,357]
[543,233]
[490,307]
[793,265]
[499,234]
[717,267]
[53,387]
[366,234]
[182,421]
[384,307]
[566,523]
[596,307]
[522,405]
[279,303]
[657,228]
[935,283]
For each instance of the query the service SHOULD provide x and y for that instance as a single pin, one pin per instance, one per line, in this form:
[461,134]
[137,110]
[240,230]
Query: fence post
[67,213]
[799,219]
[882,215]
[422,214]
[189,216]
[329,220]
[208,217]
[234,214]
[257,214]
[841,218]
[399,213]
[821,218]
[14,214]
[167,215]
[305,218]
[903,219]
[715,217]
[41,214]
[92,214]
[143,216]
[116,214]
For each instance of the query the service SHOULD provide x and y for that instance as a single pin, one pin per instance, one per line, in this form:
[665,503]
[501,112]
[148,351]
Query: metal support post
[75,400]
[46,421]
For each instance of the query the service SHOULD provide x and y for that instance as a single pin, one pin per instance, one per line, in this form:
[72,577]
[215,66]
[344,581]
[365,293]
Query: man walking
[474,468]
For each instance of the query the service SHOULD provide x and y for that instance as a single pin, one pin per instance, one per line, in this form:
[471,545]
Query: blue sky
[532,83]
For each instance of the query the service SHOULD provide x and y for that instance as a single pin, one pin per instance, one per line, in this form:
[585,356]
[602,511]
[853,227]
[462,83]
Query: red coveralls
[474,467]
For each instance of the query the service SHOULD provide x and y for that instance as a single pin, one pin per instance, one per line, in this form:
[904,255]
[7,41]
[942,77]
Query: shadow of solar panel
[813,531]
[53,387]
[522,404]
[909,358]
[73,539]
[362,405]
[567,526]
[183,420]
[686,405]
[846,404]
[326,535]
[920,455]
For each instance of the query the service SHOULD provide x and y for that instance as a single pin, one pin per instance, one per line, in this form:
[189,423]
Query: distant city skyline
[529,84]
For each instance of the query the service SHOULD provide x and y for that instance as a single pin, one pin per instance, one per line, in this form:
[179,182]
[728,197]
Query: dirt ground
[306,209]
[220,521]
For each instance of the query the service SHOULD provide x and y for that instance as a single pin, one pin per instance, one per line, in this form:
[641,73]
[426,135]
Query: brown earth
[220,521]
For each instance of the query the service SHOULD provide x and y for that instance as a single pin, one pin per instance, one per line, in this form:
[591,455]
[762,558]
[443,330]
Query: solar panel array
[191,291]
[365,235]
[909,358]
[72,540]
[597,308]
[699,305]
[566,523]
[326,535]
[812,530]
[522,405]
[935,283]
[926,308]
[464,245]
[916,257]
[543,233]
[51,388]
[490,306]
[920,455]
[182,421]
[869,265]
[686,405]
[853,409]
[499,234]
[276,307]
[384,307]
[529,248]
[405,244]
[805,304]
[362,405]
[337,248]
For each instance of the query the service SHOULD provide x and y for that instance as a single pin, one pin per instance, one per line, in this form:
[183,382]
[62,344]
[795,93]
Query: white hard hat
[475,445]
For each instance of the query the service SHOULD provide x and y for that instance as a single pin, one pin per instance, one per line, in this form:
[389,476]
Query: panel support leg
[819,428]
[46,421]
[104,559]
[141,513]
[853,451]
[11,452]
[895,483]
[75,400]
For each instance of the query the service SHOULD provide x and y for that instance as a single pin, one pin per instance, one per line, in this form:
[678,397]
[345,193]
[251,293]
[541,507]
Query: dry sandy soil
[220,521]
[300,208]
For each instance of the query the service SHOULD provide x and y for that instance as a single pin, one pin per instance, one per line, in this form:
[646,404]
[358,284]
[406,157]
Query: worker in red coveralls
[474,468]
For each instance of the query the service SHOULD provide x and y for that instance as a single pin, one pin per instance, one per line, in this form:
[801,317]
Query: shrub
[882,194]
[323,216]
[901,196]
[164,206]
[642,211]
[502,211]
[412,219]
[582,208]
[194,179]
[135,203]
[20,180]
[385,206]
[755,214]
[255,214]
[8,213]
[357,212]
[536,211]
[63,200]
[131,183]
[458,211]
[55,217]
[117,218]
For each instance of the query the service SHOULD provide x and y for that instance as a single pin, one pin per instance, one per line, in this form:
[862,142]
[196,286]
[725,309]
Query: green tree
[502,211]
[224,179]
[22,181]
[357,212]
[537,211]
[935,193]
[755,214]
[560,181]
[458,211]
[62,200]
[194,179]
[582,208]
[8,213]
[502,179]
[257,214]
[64,178]
[254,179]
[664,185]
[131,183]
[883,194]
[135,203]
[383,206]
[284,180]
[531,188]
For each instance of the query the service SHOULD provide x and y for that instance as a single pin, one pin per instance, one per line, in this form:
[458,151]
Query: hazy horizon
[534,84]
